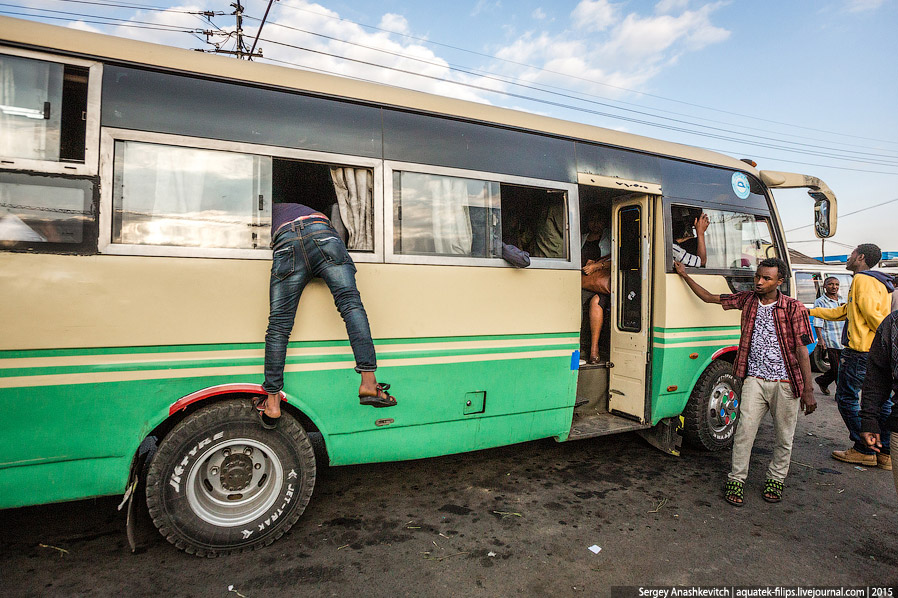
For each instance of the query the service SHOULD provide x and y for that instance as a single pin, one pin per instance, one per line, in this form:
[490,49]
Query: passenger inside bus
[689,226]
[595,281]
[595,260]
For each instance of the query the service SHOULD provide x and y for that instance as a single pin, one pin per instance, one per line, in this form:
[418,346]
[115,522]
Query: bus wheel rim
[722,407]
[234,482]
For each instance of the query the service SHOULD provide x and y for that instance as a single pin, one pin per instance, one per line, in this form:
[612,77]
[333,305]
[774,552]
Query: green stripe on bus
[695,329]
[250,361]
[15,354]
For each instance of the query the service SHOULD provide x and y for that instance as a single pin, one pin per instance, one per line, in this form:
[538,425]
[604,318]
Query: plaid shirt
[792,330]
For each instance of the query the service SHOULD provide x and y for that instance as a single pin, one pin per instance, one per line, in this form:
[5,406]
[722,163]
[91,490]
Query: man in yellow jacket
[869,302]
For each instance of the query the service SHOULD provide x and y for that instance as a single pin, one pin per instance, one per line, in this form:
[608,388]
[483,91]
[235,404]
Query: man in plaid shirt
[772,360]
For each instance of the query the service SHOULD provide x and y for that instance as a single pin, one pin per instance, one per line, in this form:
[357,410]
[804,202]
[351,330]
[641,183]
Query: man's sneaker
[884,461]
[822,388]
[856,457]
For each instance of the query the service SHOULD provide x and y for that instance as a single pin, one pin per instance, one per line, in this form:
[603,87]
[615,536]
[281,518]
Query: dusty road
[511,521]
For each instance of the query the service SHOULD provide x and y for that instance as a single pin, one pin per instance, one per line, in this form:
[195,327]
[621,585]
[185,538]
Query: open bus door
[630,307]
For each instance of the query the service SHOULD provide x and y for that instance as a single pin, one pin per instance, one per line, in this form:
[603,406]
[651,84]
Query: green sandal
[774,488]
[734,490]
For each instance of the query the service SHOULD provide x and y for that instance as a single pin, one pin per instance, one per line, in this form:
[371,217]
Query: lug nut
[214,471]
[226,452]
[248,450]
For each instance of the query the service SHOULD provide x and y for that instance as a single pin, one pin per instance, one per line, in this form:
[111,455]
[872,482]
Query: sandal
[381,399]
[268,422]
[775,489]
[734,490]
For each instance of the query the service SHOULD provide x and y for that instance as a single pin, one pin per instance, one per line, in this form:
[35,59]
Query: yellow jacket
[869,302]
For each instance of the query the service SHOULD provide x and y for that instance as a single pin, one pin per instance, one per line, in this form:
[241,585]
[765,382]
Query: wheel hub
[723,407]
[236,472]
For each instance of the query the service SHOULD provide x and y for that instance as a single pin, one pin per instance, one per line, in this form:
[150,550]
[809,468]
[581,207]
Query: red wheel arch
[221,389]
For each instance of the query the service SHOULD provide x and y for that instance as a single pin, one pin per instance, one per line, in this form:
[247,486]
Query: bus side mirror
[822,218]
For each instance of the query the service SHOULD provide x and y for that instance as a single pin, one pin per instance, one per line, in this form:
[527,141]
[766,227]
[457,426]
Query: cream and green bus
[136,185]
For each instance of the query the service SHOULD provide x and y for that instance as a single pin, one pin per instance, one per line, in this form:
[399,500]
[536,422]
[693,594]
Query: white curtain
[724,239]
[24,88]
[355,197]
[451,223]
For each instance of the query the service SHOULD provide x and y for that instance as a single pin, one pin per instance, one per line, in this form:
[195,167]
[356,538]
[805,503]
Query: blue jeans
[302,250]
[852,371]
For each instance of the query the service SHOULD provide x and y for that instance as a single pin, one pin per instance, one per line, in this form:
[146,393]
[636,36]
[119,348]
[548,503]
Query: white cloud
[668,6]
[485,6]
[594,15]
[394,22]
[863,5]
[605,45]
[538,14]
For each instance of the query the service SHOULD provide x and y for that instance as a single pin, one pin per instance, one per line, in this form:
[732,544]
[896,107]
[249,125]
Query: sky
[803,86]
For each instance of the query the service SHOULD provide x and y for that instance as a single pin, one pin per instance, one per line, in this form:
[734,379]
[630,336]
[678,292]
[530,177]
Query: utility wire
[567,75]
[520,96]
[158,27]
[850,213]
[580,108]
[883,158]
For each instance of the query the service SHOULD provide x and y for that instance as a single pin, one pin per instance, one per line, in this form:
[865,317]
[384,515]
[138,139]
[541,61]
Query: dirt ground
[511,521]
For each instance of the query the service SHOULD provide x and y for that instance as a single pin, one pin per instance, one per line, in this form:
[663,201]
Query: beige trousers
[759,397]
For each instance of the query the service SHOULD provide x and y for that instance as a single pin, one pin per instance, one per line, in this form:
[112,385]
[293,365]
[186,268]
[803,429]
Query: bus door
[630,306]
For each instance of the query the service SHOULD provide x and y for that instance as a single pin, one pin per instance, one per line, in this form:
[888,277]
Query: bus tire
[820,360]
[713,408]
[221,484]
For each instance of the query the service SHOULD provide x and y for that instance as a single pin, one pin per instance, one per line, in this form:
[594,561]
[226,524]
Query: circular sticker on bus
[740,185]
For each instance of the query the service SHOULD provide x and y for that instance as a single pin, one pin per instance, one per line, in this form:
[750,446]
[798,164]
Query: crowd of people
[861,338]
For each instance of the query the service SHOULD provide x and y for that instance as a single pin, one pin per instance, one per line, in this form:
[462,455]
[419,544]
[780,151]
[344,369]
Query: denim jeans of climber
[303,250]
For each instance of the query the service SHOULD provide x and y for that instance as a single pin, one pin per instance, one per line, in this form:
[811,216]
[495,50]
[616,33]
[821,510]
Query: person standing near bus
[869,302]
[829,333]
[305,246]
[880,387]
[772,360]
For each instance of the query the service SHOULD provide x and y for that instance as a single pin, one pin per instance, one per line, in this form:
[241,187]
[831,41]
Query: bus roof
[63,40]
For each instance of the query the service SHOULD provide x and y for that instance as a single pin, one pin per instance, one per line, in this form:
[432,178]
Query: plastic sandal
[381,399]
[733,490]
[774,487]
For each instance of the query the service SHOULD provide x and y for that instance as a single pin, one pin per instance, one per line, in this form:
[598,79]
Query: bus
[136,184]
[809,279]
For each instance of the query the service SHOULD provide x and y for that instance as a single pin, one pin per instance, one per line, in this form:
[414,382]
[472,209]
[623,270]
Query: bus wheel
[221,484]
[713,408]
[820,360]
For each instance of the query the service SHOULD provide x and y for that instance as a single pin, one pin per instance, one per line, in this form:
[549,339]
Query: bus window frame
[769,215]
[92,120]
[107,156]
[573,218]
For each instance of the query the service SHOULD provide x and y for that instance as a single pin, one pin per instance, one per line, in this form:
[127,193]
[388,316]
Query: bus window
[733,241]
[444,215]
[806,287]
[42,212]
[42,108]
[345,194]
[629,270]
[533,219]
[439,215]
[181,196]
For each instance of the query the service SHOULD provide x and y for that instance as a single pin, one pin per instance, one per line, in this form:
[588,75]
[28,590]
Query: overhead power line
[858,211]
[570,76]
[846,154]
[579,108]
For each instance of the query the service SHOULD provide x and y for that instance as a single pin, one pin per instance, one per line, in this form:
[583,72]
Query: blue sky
[802,86]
